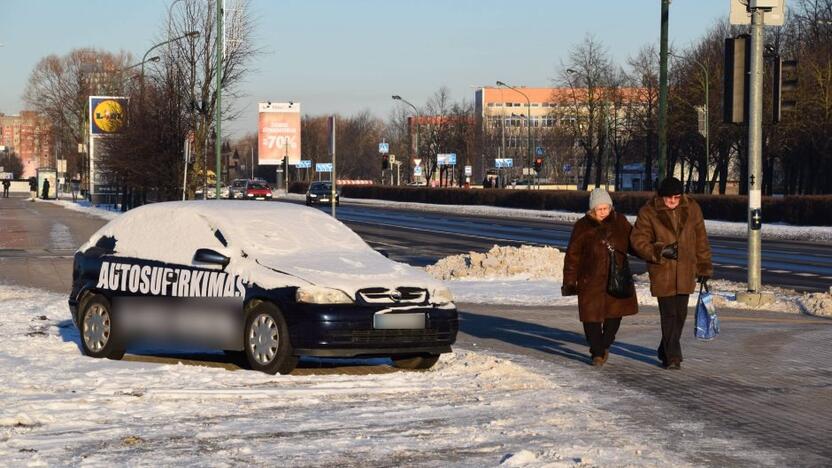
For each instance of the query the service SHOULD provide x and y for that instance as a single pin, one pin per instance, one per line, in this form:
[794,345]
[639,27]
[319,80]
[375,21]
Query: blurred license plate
[398,321]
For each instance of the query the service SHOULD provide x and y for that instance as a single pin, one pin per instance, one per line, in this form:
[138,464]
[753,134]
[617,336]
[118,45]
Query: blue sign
[503,163]
[383,148]
[323,167]
[304,164]
[417,171]
[567,168]
[539,151]
[446,159]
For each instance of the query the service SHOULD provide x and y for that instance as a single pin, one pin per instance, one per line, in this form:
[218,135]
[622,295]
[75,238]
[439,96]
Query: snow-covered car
[270,282]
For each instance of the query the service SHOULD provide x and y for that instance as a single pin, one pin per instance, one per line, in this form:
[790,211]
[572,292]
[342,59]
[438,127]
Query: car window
[256,186]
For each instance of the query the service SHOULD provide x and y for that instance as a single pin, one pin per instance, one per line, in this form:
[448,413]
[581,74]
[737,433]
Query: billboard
[108,114]
[278,132]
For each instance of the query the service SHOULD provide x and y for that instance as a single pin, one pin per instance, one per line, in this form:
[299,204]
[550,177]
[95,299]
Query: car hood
[349,271]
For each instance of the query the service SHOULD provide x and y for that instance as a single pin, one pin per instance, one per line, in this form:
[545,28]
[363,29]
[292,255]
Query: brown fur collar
[663,213]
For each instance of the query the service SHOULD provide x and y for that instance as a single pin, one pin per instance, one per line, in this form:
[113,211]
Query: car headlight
[312,195]
[441,296]
[320,295]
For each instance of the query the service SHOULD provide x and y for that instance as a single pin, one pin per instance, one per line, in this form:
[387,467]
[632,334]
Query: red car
[257,191]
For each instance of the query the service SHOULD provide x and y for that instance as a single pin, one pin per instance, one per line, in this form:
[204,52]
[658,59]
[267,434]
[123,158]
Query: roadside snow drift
[61,408]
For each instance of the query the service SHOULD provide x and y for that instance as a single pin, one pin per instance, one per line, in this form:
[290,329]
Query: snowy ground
[473,409]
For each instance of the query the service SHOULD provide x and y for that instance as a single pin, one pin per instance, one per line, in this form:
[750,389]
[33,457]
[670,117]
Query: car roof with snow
[301,241]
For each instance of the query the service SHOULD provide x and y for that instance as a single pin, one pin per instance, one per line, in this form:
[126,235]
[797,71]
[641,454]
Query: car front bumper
[349,331]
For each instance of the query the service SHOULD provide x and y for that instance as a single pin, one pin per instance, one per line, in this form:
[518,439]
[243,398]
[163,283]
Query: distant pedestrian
[75,185]
[6,184]
[33,188]
[486,182]
[45,192]
[670,236]
[586,268]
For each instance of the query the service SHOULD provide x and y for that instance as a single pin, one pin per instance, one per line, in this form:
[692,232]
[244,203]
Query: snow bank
[532,276]
[85,207]
[474,409]
[501,262]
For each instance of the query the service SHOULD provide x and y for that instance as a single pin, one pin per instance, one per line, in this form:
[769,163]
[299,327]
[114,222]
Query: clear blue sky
[349,55]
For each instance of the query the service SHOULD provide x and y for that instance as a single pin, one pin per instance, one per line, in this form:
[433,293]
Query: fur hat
[670,186]
[599,196]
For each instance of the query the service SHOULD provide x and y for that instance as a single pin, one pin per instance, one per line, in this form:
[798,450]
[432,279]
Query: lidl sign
[107,114]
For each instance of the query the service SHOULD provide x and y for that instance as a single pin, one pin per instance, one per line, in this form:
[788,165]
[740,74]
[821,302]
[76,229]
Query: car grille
[403,295]
[393,336]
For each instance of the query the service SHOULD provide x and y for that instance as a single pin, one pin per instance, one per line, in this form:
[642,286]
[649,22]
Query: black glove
[569,290]
[671,251]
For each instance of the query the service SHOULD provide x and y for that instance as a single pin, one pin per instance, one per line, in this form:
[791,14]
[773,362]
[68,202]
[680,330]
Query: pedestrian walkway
[766,381]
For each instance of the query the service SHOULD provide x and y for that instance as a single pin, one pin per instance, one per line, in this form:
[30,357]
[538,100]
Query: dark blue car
[269,282]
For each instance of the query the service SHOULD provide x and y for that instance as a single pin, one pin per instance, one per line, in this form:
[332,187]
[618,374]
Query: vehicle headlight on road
[320,295]
[441,296]
[312,195]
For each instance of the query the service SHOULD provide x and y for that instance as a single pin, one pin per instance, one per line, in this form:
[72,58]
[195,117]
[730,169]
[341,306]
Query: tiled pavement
[759,394]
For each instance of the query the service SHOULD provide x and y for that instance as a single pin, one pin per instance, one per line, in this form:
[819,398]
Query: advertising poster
[279,132]
[107,114]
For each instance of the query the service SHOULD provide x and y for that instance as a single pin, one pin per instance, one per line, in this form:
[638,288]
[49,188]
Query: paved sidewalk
[765,382]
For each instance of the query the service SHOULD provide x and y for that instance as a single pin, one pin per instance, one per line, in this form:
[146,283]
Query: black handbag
[619,279]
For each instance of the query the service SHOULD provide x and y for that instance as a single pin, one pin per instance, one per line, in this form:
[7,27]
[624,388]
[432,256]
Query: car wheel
[98,337]
[267,341]
[415,362]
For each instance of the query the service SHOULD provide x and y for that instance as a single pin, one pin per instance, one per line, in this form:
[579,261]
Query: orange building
[29,137]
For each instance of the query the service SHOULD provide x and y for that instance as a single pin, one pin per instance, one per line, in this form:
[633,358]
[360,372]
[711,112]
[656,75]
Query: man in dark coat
[6,184]
[585,270]
[45,193]
[670,236]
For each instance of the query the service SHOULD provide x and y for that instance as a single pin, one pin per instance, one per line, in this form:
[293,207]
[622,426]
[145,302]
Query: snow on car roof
[271,228]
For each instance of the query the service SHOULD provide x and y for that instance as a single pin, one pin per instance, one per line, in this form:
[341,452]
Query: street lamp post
[416,116]
[705,107]
[145,60]
[529,126]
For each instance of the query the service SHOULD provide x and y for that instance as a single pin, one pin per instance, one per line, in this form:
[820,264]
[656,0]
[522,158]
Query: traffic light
[385,162]
[780,86]
[736,78]
[538,164]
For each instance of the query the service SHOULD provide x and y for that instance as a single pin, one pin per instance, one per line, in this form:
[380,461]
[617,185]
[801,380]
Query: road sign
[392,159]
[323,167]
[468,171]
[567,168]
[384,148]
[502,163]
[304,164]
[417,171]
[446,159]
[417,161]
[741,15]
[539,151]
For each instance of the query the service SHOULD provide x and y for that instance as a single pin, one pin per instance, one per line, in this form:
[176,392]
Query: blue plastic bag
[707,322]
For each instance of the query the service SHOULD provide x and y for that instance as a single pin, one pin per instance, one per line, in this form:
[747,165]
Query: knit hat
[599,196]
[670,186]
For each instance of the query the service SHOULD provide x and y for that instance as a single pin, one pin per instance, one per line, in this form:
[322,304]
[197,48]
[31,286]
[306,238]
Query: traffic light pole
[755,157]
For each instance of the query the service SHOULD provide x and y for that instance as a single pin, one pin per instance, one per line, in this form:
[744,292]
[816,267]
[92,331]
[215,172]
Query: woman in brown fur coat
[585,271]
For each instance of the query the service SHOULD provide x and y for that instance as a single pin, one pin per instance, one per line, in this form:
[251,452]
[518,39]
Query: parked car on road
[257,191]
[268,281]
[321,192]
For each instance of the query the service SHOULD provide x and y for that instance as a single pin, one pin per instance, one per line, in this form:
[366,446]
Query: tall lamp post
[145,60]
[529,126]
[706,126]
[396,97]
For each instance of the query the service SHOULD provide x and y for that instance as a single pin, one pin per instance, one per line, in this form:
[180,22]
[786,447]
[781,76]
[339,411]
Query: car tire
[97,327]
[266,341]
[420,362]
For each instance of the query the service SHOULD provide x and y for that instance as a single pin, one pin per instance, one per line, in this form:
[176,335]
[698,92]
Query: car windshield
[256,186]
[238,183]
[320,187]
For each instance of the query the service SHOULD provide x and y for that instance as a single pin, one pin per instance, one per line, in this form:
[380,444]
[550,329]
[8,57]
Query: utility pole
[218,124]
[663,93]
[334,191]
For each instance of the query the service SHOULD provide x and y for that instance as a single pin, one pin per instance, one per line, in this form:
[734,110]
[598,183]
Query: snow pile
[473,409]
[502,262]
[819,304]
[85,207]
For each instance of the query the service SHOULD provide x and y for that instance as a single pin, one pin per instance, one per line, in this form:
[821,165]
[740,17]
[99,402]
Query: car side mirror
[211,257]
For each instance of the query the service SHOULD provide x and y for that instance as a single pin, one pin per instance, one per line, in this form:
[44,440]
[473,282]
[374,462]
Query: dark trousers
[601,335]
[673,311]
